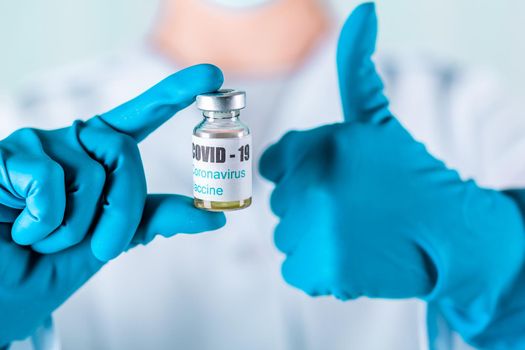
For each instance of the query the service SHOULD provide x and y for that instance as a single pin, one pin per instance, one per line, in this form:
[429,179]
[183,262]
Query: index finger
[291,150]
[144,114]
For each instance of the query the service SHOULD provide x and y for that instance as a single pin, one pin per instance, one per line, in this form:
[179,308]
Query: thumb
[360,85]
[167,215]
[145,113]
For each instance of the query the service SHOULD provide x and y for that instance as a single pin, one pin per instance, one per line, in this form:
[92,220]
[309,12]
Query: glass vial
[222,159]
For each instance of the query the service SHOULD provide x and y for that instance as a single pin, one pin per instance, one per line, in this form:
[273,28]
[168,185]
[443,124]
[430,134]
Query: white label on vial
[222,168]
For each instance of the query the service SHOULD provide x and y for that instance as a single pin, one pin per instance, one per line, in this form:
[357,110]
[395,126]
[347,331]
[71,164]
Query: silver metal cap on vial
[222,100]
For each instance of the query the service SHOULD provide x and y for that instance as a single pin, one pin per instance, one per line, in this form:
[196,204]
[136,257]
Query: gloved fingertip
[289,273]
[276,159]
[368,6]
[361,87]
[168,215]
[24,237]
[213,72]
[103,254]
[203,77]
[267,167]
[201,221]
[196,220]
[359,33]
[142,115]
[365,12]
[20,240]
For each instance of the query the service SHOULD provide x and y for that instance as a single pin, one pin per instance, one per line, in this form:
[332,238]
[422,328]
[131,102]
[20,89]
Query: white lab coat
[223,290]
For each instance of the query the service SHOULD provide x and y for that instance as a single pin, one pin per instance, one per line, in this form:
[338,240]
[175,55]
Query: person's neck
[270,40]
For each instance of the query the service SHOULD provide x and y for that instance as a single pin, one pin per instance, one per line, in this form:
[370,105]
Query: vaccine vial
[222,159]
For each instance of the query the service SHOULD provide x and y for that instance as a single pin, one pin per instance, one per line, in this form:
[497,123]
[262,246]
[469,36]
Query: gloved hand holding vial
[72,199]
[222,164]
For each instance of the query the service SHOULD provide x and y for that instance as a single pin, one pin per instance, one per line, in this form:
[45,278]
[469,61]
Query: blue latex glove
[506,328]
[33,285]
[78,195]
[365,210]
[68,179]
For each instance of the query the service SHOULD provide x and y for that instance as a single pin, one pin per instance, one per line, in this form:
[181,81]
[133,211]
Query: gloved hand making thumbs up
[366,210]
[74,198]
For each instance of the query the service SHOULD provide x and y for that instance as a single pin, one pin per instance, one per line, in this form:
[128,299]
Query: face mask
[241,4]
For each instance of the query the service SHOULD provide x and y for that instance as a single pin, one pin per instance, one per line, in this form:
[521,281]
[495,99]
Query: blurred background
[37,36]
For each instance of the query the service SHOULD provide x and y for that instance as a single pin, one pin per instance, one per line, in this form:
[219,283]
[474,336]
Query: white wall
[39,35]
